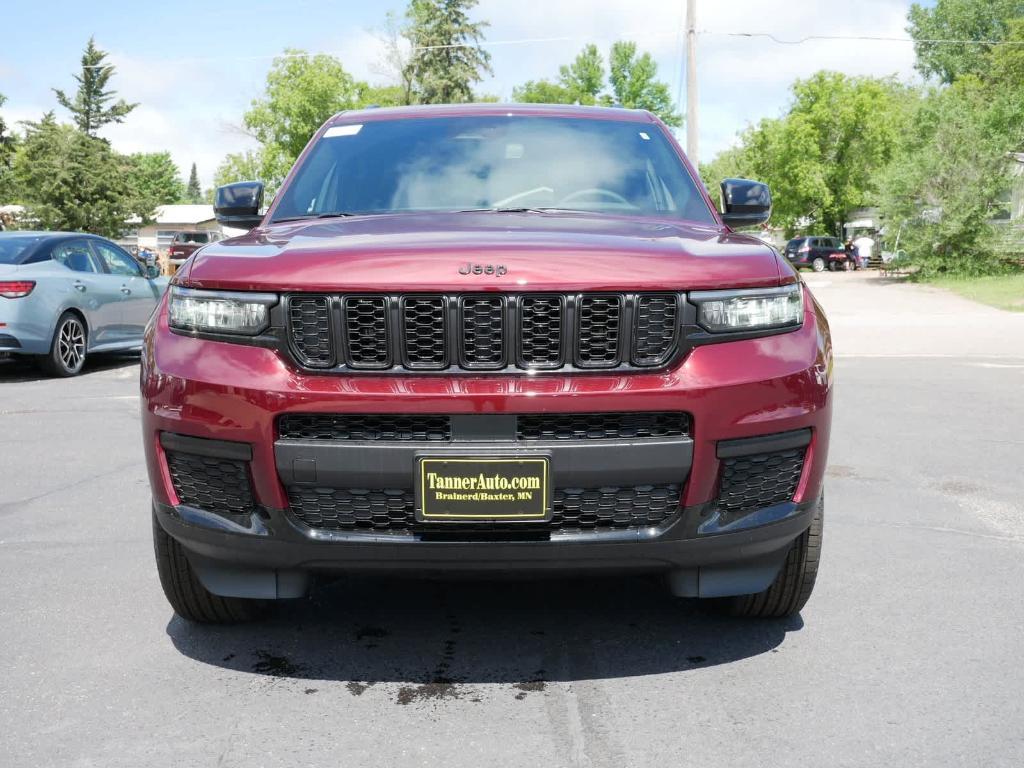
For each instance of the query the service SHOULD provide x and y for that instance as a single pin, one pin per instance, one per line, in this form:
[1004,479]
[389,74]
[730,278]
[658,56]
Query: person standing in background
[865,245]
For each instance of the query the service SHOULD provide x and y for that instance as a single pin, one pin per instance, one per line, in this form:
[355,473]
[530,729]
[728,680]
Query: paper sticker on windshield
[644,136]
[342,130]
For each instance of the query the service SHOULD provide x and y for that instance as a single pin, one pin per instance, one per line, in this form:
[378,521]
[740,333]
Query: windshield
[191,237]
[468,163]
[12,249]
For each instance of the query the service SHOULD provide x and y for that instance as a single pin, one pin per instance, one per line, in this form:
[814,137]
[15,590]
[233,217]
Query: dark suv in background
[185,244]
[819,253]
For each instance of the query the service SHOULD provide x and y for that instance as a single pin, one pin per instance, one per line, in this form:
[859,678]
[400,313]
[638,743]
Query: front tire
[68,348]
[818,265]
[186,594]
[791,589]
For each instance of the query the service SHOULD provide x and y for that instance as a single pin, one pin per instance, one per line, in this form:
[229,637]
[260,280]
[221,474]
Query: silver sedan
[66,295]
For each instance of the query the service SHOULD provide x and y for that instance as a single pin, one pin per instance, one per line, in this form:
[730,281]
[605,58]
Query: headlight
[749,309]
[245,314]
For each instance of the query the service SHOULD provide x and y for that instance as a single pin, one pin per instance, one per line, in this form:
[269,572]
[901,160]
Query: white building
[169,220]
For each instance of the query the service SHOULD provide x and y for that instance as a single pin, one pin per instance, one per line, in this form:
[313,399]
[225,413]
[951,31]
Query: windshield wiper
[521,209]
[328,215]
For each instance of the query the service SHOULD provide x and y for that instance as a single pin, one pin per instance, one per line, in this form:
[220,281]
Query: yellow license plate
[483,489]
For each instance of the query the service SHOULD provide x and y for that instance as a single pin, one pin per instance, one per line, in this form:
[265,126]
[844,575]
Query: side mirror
[746,203]
[238,205]
[152,271]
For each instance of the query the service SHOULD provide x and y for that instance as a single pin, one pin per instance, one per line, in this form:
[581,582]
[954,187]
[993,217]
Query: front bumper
[732,391]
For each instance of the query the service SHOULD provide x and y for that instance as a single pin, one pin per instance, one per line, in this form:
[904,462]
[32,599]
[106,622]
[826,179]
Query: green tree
[266,164]
[632,81]
[89,107]
[584,77]
[822,157]
[301,93]
[194,192]
[948,20]
[72,181]
[542,92]
[634,85]
[945,185]
[154,180]
[446,55]
[8,146]
[950,176]
[732,163]
[580,82]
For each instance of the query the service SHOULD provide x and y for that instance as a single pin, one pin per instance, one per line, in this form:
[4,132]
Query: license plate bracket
[483,489]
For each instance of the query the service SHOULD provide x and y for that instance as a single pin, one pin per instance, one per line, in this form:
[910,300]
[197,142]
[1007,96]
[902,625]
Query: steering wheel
[598,191]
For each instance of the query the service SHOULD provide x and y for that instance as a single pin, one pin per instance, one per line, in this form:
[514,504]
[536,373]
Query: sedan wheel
[818,265]
[67,353]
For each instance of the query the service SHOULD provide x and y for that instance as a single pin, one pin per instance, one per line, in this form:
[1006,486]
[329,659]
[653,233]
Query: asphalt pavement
[908,654]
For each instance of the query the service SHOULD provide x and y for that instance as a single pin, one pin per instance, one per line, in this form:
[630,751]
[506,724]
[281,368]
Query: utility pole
[691,81]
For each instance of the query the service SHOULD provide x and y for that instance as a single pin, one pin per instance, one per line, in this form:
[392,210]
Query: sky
[194,66]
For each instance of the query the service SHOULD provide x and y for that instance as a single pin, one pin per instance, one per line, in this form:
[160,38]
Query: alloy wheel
[71,344]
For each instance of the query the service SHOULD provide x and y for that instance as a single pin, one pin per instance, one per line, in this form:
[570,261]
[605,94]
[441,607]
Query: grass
[1004,292]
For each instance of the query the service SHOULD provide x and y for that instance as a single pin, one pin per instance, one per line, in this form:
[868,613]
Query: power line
[873,38]
[624,36]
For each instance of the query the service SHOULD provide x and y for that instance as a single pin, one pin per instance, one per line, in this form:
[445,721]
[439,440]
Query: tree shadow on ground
[18,369]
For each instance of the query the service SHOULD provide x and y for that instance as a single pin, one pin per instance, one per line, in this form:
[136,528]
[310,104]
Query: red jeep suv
[485,339]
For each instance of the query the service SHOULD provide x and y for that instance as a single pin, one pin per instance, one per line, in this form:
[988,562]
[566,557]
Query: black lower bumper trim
[8,342]
[274,542]
[577,464]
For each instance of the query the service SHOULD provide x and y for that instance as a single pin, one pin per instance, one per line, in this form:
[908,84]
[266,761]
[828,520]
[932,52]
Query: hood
[525,252]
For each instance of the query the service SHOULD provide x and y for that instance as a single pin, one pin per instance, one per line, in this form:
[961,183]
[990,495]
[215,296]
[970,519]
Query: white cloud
[189,104]
[740,79]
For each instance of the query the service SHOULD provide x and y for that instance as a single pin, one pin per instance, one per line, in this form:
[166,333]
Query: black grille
[657,321]
[338,426]
[601,426]
[541,323]
[215,485]
[613,507]
[425,332]
[753,482]
[352,509]
[574,509]
[367,332]
[491,332]
[483,332]
[599,318]
[532,426]
[309,327]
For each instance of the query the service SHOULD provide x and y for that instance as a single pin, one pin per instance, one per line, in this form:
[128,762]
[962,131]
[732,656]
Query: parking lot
[908,653]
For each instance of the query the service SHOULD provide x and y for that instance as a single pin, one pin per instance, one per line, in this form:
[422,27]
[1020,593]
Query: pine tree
[446,54]
[72,181]
[89,106]
[194,192]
